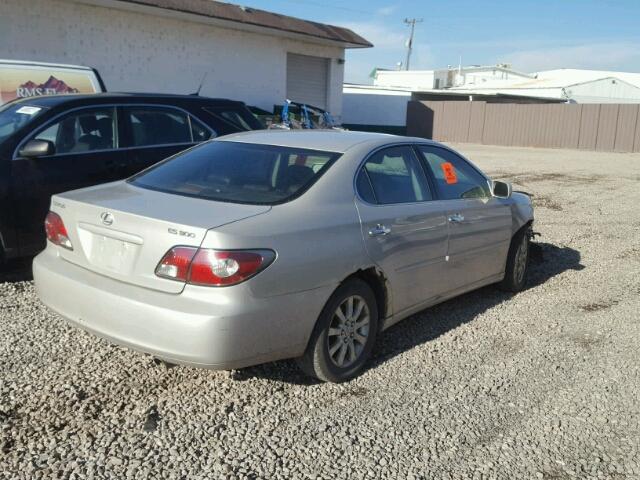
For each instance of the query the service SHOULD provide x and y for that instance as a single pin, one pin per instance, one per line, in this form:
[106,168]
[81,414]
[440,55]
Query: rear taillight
[176,262]
[213,268]
[56,231]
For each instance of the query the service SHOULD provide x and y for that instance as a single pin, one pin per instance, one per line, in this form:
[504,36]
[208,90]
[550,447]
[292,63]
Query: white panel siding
[413,79]
[370,107]
[604,91]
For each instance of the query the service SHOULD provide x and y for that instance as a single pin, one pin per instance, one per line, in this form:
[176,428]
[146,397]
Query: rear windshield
[238,172]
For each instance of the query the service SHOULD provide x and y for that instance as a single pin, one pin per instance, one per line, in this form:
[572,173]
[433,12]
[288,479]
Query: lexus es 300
[267,245]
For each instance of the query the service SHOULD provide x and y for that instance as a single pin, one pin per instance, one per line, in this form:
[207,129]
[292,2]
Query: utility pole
[411,22]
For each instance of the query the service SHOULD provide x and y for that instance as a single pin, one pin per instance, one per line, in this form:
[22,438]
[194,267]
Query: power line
[412,22]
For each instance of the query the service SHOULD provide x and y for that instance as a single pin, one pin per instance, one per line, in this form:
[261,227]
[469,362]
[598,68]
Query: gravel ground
[544,384]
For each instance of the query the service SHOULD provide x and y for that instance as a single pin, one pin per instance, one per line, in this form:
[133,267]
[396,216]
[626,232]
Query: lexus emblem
[106,218]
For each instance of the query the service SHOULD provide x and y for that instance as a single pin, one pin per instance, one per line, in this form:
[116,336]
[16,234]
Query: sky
[532,35]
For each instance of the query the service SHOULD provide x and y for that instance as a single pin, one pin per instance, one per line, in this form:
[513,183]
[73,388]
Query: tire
[515,275]
[336,351]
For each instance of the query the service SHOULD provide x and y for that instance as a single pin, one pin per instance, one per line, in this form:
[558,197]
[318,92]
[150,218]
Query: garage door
[307,79]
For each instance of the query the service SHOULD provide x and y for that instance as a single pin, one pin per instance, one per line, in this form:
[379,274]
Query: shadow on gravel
[18,270]
[547,261]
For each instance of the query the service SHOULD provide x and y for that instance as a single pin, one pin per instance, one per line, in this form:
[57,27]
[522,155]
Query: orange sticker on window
[449,172]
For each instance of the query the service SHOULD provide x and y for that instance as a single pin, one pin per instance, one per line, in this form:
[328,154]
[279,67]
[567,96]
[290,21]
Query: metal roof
[250,16]
[561,78]
[573,76]
[478,93]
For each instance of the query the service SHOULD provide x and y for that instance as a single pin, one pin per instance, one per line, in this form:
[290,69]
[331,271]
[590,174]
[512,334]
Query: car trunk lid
[122,231]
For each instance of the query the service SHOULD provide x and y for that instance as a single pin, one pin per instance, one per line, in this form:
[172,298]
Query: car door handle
[379,230]
[456,218]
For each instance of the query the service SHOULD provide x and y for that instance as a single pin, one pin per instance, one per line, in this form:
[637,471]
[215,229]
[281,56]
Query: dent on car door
[405,233]
[84,153]
[479,224]
[153,133]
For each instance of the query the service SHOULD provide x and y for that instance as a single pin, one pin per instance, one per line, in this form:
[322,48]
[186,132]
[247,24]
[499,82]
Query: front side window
[14,117]
[396,176]
[454,177]
[163,126]
[238,172]
[81,131]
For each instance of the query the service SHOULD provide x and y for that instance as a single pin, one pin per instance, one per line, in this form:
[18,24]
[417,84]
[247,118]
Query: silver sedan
[269,245]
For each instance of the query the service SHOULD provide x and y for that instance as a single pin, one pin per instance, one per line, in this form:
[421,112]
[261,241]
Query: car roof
[51,101]
[327,140]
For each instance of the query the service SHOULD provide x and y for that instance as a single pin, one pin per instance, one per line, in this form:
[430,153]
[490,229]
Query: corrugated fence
[602,127]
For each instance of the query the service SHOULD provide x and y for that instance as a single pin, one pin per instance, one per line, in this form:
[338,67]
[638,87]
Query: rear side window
[198,132]
[364,187]
[238,172]
[396,176]
[454,177]
[238,118]
[163,126]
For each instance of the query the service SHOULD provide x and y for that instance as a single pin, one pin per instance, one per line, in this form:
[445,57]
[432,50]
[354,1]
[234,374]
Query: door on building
[308,80]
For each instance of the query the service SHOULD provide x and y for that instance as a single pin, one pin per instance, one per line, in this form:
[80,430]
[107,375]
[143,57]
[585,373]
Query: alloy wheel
[348,331]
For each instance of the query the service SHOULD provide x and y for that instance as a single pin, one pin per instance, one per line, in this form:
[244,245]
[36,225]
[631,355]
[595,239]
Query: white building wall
[606,90]
[598,91]
[144,52]
[479,77]
[411,79]
[443,78]
[554,92]
[374,107]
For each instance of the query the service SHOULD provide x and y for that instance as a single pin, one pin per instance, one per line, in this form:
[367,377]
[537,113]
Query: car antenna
[204,77]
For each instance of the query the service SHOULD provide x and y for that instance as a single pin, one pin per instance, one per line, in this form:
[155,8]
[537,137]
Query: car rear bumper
[219,328]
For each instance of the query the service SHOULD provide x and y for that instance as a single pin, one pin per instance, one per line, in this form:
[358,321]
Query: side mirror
[37,148]
[501,189]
